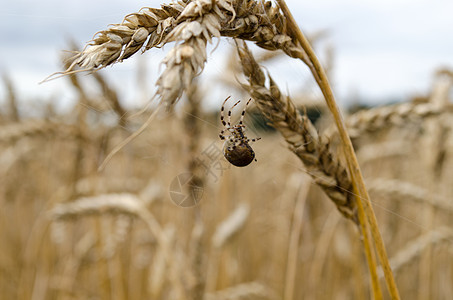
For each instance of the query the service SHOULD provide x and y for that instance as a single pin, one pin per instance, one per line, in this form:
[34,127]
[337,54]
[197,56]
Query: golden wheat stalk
[230,226]
[366,215]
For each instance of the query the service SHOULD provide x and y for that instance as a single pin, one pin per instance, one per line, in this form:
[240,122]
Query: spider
[236,148]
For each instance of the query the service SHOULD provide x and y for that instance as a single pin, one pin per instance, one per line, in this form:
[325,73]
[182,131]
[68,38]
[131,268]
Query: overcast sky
[384,50]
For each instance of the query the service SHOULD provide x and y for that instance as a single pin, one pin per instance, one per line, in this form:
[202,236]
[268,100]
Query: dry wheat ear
[301,135]
[191,24]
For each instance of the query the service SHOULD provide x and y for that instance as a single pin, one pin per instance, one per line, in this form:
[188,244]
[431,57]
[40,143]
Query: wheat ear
[12,132]
[249,290]
[191,24]
[301,135]
[404,191]
[128,204]
[415,248]
[12,99]
[375,119]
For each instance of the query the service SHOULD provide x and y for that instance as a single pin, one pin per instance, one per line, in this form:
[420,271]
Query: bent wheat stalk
[363,199]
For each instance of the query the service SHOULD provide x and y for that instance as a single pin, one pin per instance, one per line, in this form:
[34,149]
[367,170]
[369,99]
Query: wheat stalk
[112,98]
[301,135]
[193,131]
[224,233]
[415,248]
[366,215]
[226,230]
[303,187]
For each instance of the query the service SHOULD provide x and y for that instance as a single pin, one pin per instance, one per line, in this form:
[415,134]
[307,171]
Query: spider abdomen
[240,155]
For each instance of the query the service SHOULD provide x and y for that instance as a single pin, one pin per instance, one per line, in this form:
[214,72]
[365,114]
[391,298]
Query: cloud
[382,47]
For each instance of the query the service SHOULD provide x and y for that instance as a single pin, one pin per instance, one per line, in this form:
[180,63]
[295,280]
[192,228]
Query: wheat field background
[272,230]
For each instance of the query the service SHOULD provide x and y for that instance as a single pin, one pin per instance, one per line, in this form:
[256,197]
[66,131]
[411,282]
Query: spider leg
[241,120]
[227,129]
[229,112]
[253,140]
[222,117]
[221,134]
[232,142]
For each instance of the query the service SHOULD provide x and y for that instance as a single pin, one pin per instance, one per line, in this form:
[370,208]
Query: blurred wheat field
[55,246]
[267,231]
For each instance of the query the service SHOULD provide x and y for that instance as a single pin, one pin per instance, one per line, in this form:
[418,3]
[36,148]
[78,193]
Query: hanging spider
[236,148]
